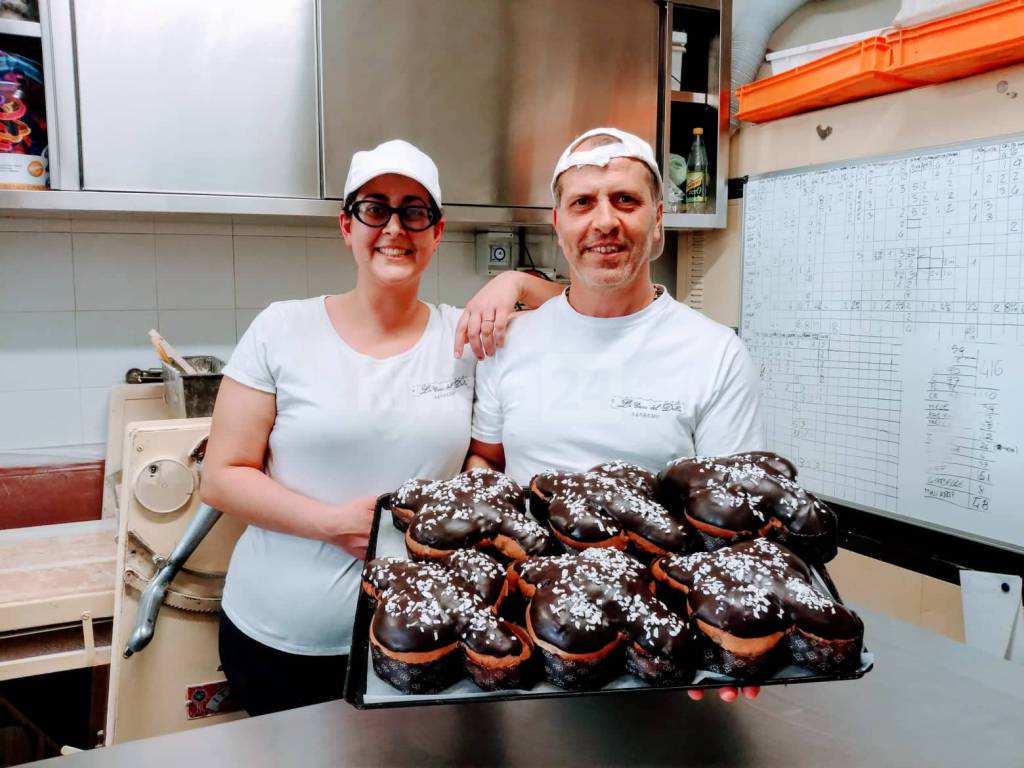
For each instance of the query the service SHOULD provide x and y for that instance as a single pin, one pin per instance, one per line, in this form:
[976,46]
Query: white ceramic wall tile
[332,269]
[109,343]
[207,225]
[269,269]
[114,271]
[34,224]
[114,225]
[67,453]
[327,231]
[457,277]
[198,273]
[95,414]
[664,270]
[36,272]
[37,419]
[561,265]
[199,331]
[429,286]
[452,235]
[543,249]
[269,230]
[195,272]
[243,318]
[38,350]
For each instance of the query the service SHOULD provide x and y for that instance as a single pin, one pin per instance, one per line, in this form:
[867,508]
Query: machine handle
[153,596]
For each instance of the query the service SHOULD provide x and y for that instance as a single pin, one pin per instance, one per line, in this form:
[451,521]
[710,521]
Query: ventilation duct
[753,22]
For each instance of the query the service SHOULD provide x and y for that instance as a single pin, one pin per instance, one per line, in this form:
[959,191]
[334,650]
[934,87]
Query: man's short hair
[602,140]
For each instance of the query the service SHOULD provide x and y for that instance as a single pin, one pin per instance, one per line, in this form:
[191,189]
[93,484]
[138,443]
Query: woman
[325,404]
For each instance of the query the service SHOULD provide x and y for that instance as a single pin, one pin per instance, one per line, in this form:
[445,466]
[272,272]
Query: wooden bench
[56,597]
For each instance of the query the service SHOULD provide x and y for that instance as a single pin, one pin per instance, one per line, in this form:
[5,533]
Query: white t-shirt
[347,425]
[569,391]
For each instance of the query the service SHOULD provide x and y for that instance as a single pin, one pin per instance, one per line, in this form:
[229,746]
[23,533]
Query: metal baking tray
[365,690]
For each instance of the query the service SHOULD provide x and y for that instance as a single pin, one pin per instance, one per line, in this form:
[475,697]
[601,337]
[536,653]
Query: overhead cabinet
[697,51]
[196,96]
[240,107]
[493,91]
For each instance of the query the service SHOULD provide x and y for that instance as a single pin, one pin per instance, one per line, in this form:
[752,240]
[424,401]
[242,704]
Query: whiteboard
[883,304]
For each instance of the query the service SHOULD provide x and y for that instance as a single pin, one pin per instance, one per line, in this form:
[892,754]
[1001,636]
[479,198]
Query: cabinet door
[197,96]
[493,90]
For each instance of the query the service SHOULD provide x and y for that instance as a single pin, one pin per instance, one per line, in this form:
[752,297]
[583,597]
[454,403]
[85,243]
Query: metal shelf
[707,65]
[20,202]
[689,97]
[20,28]
[14,202]
[692,221]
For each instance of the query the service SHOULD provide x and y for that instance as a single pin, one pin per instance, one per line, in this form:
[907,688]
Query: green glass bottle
[697,175]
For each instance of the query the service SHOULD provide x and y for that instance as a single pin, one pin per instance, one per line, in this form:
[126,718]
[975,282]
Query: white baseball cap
[394,156]
[628,145]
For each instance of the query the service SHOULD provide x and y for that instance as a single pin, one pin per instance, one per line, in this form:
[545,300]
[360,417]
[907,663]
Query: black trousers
[265,680]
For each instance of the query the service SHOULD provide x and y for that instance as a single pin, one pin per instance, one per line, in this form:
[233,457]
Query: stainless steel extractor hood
[493,90]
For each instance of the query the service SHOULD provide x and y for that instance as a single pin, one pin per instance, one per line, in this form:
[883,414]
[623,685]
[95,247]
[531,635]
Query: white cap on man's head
[628,145]
[394,156]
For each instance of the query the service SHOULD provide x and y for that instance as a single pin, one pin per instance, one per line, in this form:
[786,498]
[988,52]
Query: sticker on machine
[209,699]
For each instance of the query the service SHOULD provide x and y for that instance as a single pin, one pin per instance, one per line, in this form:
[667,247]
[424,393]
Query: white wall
[78,295]
[824,19]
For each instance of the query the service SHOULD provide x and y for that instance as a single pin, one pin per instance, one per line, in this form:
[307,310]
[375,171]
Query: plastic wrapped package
[919,11]
[23,140]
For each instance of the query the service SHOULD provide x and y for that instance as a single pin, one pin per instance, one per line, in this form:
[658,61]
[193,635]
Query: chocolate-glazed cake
[642,479]
[592,616]
[434,622]
[478,509]
[733,498]
[753,606]
[611,505]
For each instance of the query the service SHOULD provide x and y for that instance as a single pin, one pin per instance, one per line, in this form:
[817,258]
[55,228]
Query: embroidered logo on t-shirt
[646,407]
[440,389]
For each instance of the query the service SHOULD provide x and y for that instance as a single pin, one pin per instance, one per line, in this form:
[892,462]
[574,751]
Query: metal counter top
[928,702]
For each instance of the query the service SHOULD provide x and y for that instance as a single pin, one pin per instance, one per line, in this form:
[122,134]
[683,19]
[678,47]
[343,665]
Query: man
[614,368]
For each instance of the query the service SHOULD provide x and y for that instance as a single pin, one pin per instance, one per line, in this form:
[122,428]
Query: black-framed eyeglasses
[374,213]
